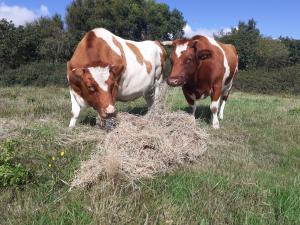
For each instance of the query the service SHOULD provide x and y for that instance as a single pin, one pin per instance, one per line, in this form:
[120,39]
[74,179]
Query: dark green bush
[270,81]
[36,74]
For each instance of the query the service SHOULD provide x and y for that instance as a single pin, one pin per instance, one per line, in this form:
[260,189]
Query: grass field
[249,175]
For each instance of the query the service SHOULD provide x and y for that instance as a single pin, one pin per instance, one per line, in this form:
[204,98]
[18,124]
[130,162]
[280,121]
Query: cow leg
[149,97]
[223,100]
[157,89]
[222,106]
[75,110]
[214,106]
[191,99]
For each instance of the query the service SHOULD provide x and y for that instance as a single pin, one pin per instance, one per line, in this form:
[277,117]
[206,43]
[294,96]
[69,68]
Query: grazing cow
[203,67]
[105,68]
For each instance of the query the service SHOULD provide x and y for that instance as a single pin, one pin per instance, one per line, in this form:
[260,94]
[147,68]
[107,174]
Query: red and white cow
[203,67]
[105,68]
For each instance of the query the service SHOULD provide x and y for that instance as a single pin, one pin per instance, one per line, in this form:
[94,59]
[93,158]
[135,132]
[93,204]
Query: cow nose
[110,109]
[175,81]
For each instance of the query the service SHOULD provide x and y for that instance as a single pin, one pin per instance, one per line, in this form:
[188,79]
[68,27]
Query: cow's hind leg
[152,96]
[222,106]
[75,110]
[214,107]
[224,98]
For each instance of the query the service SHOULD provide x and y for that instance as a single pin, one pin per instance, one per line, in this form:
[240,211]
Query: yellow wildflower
[53,158]
[50,165]
[62,153]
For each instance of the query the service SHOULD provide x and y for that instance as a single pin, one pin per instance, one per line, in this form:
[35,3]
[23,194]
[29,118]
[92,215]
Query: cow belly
[134,86]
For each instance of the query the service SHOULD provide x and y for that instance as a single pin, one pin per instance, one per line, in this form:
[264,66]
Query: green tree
[131,19]
[18,45]
[272,53]
[246,38]
[8,46]
[55,45]
[294,49]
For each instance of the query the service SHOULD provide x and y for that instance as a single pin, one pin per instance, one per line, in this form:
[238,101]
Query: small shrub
[11,172]
[270,81]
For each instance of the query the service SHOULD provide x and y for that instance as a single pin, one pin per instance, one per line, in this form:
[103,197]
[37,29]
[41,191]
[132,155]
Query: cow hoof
[216,126]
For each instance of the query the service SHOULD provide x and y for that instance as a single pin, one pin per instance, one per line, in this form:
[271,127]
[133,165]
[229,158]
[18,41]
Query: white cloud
[21,15]
[189,32]
[43,11]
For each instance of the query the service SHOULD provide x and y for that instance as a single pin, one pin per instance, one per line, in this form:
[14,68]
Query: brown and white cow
[203,67]
[105,68]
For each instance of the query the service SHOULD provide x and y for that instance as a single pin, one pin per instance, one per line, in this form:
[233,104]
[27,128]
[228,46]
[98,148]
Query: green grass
[249,175]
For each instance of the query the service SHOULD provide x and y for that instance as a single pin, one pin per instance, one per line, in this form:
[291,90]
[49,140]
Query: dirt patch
[8,128]
[142,146]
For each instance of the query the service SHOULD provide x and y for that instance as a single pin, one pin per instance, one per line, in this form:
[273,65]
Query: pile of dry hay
[142,146]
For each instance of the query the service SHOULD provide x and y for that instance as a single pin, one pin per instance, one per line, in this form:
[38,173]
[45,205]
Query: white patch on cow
[100,75]
[110,109]
[108,37]
[226,65]
[221,113]
[214,106]
[135,80]
[180,49]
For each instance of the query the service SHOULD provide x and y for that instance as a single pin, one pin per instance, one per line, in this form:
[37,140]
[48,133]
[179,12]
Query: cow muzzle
[107,112]
[176,81]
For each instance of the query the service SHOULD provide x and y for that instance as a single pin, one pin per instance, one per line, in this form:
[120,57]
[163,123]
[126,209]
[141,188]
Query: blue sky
[274,17]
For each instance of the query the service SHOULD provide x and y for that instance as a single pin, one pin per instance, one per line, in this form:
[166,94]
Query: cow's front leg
[214,106]
[75,110]
[191,99]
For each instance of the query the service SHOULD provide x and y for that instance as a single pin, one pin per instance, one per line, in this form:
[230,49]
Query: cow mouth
[108,121]
[176,82]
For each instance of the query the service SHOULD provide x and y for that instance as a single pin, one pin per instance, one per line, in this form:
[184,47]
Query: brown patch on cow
[139,56]
[136,51]
[119,45]
[148,66]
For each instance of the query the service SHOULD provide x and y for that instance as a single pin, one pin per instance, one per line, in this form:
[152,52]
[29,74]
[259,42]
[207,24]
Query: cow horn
[167,42]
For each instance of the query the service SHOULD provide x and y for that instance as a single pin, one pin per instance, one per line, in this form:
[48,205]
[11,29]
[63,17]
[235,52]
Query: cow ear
[204,54]
[194,44]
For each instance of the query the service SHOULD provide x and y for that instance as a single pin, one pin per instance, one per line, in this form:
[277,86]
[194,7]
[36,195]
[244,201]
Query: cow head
[186,58]
[97,86]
